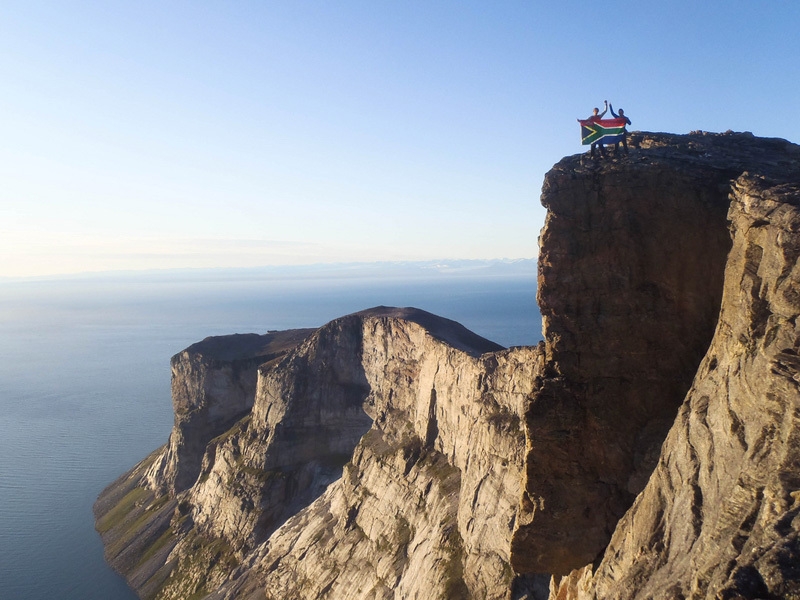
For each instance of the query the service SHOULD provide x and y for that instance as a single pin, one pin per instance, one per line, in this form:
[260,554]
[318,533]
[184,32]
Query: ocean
[85,381]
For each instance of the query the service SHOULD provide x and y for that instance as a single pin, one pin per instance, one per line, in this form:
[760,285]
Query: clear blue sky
[139,135]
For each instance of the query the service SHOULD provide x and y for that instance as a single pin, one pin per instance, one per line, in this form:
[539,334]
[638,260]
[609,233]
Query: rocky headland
[648,448]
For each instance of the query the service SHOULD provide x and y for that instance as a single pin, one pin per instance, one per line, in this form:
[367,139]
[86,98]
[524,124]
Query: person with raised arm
[595,118]
[621,115]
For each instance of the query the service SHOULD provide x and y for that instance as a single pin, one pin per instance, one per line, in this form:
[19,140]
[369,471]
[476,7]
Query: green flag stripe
[592,132]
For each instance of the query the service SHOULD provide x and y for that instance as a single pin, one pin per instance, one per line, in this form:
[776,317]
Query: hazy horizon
[361,269]
[197,135]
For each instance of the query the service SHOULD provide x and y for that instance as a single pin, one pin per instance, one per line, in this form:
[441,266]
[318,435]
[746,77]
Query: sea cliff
[646,449]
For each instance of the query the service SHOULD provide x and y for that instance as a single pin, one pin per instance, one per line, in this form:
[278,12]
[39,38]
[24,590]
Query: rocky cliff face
[646,449]
[631,263]
[382,456]
[213,386]
[719,516]
[426,506]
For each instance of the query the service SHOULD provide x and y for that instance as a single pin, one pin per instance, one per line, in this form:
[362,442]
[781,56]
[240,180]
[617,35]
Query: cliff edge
[646,449]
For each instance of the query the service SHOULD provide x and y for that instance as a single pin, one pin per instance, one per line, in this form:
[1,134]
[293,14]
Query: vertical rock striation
[631,262]
[426,506]
[719,517]
[382,458]
[702,527]
[213,386]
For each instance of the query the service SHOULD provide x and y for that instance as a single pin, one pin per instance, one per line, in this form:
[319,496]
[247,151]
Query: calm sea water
[84,388]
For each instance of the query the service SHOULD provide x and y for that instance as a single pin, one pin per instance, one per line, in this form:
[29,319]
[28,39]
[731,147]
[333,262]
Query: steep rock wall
[213,385]
[424,506]
[719,517]
[631,262]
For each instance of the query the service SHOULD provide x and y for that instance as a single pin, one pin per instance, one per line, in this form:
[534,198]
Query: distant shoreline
[520,267]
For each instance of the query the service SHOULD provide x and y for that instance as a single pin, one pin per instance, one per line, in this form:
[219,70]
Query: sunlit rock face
[382,456]
[427,504]
[719,516]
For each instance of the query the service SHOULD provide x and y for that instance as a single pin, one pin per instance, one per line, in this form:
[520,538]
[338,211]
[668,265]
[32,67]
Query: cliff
[718,516]
[646,449]
[213,386]
[382,455]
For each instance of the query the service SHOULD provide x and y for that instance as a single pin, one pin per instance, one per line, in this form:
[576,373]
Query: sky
[176,134]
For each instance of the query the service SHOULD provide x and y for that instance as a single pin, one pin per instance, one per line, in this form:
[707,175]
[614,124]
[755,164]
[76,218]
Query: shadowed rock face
[644,260]
[631,263]
[213,386]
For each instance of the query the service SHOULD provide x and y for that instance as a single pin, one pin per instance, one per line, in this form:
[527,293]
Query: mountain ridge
[392,454]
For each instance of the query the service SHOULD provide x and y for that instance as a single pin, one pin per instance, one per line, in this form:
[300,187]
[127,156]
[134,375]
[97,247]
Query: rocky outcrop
[213,386]
[631,263]
[416,423]
[625,332]
[719,516]
[426,506]
[646,449]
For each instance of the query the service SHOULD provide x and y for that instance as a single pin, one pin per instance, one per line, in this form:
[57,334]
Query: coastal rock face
[213,386]
[426,506]
[648,448]
[416,423]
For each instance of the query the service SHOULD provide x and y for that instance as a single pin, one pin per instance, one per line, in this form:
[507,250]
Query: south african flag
[604,131]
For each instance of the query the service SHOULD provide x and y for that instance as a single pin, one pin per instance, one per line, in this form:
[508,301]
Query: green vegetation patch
[122,509]
[135,523]
[165,538]
[237,428]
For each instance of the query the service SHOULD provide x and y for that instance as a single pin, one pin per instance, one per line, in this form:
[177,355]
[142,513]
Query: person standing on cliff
[596,116]
[621,115]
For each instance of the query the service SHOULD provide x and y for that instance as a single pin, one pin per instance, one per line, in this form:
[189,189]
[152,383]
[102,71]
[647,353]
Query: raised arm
[600,116]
